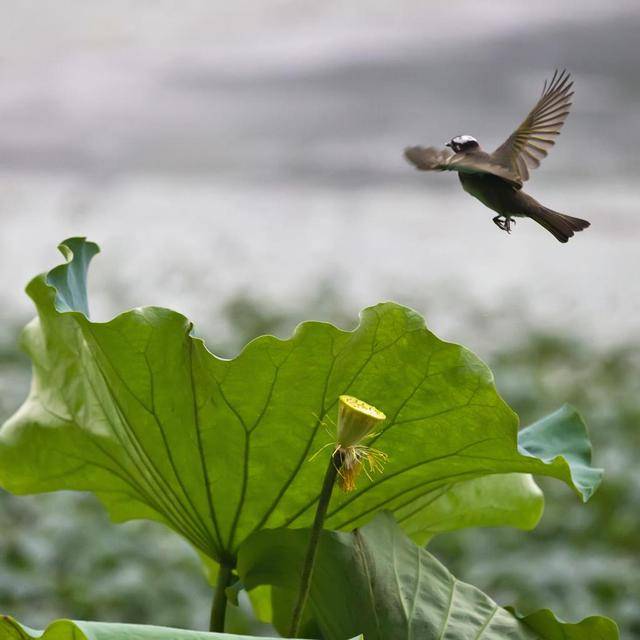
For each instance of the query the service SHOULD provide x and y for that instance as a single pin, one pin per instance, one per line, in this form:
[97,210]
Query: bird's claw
[504,223]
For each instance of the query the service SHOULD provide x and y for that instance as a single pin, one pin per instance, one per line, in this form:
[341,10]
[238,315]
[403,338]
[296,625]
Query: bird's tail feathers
[560,225]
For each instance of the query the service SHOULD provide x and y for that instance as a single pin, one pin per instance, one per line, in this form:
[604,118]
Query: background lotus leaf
[11,629]
[378,581]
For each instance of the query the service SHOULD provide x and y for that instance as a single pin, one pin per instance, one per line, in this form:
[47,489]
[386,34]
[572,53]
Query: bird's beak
[447,144]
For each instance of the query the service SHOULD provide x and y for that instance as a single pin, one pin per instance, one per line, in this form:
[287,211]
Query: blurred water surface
[259,148]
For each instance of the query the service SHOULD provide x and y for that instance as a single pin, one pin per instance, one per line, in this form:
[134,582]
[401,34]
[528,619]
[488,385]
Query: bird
[496,178]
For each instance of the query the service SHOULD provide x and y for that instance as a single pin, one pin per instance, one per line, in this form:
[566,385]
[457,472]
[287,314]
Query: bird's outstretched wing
[528,144]
[429,158]
[432,159]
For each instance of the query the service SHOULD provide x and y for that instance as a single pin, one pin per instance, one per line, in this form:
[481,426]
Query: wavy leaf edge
[63,291]
[66,629]
[74,246]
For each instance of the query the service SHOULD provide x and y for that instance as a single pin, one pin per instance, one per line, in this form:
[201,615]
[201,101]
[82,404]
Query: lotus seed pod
[356,420]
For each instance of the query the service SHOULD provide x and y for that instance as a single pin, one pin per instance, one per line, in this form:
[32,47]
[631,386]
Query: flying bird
[496,178]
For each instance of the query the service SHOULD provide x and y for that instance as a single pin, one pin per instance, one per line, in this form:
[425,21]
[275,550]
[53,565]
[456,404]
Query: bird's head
[463,143]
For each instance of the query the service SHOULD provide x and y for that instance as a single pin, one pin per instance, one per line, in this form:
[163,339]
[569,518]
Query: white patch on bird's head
[463,143]
[464,139]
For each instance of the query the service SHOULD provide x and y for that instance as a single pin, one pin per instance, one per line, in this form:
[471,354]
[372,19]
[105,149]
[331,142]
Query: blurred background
[242,163]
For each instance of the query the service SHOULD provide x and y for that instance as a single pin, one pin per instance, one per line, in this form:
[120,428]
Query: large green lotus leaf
[547,626]
[11,629]
[500,500]
[138,411]
[377,581]
[491,501]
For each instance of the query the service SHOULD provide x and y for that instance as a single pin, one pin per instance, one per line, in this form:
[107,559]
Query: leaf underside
[377,581]
[138,411]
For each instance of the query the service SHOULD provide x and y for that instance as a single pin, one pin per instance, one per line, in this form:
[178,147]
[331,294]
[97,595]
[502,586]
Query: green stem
[219,606]
[314,538]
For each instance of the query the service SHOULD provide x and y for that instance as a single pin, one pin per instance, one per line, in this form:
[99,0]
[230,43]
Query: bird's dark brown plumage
[496,178]
[527,145]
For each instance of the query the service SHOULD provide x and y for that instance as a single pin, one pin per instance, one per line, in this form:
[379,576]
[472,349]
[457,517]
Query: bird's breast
[492,191]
